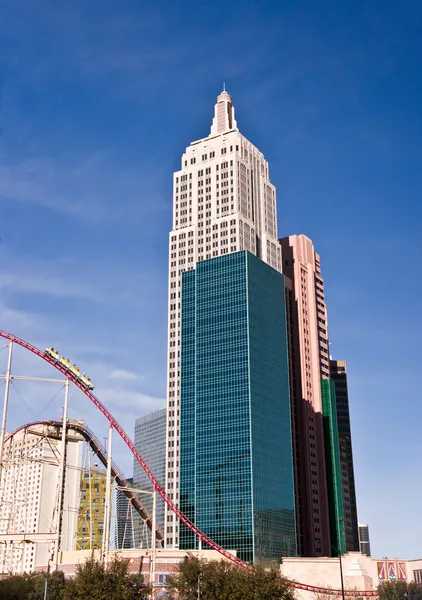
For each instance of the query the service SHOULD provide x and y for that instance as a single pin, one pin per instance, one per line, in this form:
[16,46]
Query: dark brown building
[339,376]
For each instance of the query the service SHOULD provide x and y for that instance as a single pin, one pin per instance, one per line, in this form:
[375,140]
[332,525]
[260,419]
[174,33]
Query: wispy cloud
[84,43]
[97,282]
[35,181]
[41,277]
[128,402]
[91,188]
[18,320]
[124,375]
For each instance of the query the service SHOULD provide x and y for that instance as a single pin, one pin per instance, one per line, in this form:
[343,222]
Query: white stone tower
[223,202]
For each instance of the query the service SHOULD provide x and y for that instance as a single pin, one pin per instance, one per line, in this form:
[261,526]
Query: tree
[55,588]
[94,581]
[224,581]
[16,587]
[400,590]
[262,584]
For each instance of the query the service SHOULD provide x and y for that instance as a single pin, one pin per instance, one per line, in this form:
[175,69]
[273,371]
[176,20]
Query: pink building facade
[309,363]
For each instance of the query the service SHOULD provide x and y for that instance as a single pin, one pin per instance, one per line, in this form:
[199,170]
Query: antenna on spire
[224,113]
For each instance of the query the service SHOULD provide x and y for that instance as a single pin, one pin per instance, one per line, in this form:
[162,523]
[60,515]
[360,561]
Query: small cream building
[360,572]
[29,488]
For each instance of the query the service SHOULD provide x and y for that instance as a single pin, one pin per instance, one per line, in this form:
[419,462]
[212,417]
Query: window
[162,578]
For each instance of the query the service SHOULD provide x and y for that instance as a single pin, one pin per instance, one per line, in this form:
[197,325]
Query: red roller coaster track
[113,423]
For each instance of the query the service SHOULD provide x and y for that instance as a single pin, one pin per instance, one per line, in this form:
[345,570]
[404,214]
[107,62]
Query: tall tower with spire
[223,202]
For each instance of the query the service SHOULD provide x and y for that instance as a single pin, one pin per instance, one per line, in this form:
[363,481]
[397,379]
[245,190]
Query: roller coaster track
[101,452]
[157,487]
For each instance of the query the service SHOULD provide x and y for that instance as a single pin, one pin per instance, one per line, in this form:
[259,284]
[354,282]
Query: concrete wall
[359,572]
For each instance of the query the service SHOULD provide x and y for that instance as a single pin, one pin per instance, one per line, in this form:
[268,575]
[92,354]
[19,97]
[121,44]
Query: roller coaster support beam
[107,515]
[61,474]
[153,539]
[8,379]
[21,538]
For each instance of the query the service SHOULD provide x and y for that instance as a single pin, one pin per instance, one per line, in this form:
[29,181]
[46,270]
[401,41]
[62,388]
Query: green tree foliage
[31,587]
[16,587]
[221,580]
[55,588]
[400,590]
[92,582]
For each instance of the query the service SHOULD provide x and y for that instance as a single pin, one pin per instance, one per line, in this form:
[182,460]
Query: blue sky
[98,101]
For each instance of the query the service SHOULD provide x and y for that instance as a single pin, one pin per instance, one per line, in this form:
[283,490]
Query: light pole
[336,549]
[199,582]
[46,579]
[339,549]
[341,576]
[343,547]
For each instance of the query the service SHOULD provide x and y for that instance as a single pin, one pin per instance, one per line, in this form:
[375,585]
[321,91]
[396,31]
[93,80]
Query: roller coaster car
[86,381]
[53,353]
[75,370]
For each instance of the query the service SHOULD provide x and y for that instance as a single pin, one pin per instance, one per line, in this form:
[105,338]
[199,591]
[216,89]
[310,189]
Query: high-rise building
[309,364]
[124,520]
[223,202]
[236,465]
[364,543]
[339,377]
[29,490]
[150,440]
[92,509]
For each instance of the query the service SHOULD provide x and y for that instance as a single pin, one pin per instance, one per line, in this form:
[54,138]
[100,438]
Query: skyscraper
[223,202]
[91,513]
[124,520]
[339,376]
[365,546]
[236,466]
[309,364]
[150,440]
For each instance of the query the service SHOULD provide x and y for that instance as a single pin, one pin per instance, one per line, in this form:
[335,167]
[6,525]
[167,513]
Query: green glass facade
[236,472]
[333,467]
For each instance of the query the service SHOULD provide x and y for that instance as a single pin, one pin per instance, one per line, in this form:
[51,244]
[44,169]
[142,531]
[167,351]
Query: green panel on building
[333,467]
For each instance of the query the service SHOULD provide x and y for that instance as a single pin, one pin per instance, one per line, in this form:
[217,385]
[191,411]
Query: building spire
[223,114]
